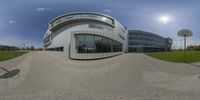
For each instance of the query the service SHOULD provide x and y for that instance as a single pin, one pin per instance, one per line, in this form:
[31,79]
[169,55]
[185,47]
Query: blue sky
[25,21]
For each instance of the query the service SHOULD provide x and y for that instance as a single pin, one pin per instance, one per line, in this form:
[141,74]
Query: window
[55,49]
[98,44]
[47,40]
[100,27]
[108,29]
[68,17]
[104,44]
[58,21]
[89,44]
[95,26]
[80,45]
[121,37]
[86,43]
[77,16]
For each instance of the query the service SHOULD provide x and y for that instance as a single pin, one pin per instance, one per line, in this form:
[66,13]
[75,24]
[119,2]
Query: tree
[40,49]
[194,47]
[27,48]
[32,47]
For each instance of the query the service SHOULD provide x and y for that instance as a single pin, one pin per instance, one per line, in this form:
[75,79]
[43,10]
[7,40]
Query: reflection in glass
[80,43]
[86,43]
[89,44]
[98,44]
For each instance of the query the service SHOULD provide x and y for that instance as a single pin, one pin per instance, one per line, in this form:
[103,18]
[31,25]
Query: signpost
[185,33]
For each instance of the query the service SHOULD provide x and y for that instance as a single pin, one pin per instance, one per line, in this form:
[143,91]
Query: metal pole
[185,48]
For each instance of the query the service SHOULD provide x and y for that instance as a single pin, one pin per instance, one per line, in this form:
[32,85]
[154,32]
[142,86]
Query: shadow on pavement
[193,65]
[8,73]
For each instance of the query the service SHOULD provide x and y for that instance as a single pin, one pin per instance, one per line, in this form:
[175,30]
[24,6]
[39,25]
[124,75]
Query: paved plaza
[131,76]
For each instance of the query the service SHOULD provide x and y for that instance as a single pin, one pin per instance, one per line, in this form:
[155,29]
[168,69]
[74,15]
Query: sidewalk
[12,63]
[197,64]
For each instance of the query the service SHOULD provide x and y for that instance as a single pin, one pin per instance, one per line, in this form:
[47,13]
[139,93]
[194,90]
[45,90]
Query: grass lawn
[176,56]
[5,55]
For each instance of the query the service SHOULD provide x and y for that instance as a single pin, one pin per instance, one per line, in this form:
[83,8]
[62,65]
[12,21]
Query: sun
[164,19]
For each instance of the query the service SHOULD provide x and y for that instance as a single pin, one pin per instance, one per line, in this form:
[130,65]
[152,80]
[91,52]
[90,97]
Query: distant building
[85,35]
[141,41]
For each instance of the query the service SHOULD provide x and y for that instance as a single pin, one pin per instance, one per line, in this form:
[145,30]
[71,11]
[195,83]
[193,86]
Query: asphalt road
[44,76]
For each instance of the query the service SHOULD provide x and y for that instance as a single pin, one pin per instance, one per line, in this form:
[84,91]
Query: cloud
[42,9]
[11,21]
[107,10]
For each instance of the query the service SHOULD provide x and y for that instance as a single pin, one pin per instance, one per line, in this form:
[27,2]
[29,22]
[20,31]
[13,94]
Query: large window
[86,43]
[98,44]
[80,45]
[89,44]
[55,49]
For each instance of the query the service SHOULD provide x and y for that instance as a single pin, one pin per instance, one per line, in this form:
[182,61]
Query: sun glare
[164,19]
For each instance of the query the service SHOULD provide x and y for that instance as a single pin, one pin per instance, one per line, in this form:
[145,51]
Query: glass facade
[87,43]
[146,39]
[141,41]
[56,49]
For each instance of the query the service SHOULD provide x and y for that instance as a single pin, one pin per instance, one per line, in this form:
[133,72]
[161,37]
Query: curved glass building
[141,41]
[85,35]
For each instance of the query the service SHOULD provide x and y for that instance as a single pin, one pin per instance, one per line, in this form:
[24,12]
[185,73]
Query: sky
[26,21]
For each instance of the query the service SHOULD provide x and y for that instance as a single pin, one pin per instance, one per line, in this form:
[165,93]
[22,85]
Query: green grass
[176,56]
[5,55]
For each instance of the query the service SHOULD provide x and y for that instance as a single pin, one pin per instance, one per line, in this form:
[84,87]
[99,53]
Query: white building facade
[86,35]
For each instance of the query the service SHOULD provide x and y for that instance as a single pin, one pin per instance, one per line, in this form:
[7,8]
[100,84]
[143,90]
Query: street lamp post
[185,48]
[185,33]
